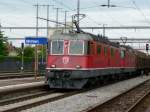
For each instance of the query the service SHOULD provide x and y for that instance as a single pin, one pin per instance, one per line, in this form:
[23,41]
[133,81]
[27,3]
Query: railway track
[21,99]
[142,105]
[126,102]
[28,97]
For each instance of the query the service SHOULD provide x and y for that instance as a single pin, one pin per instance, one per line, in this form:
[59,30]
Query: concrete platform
[87,100]
[5,89]
[16,81]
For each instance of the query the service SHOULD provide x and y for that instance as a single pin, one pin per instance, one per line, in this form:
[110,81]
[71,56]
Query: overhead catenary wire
[108,15]
[73,9]
[104,26]
[96,6]
[91,19]
[141,12]
[66,6]
[114,21]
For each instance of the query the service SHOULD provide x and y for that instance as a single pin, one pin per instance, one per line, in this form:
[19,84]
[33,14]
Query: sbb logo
[65,60]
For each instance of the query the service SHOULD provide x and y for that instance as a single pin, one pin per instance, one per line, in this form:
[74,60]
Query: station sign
[36,40]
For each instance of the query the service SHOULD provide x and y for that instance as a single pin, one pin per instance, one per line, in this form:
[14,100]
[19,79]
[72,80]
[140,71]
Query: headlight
[53,66]
[78,66]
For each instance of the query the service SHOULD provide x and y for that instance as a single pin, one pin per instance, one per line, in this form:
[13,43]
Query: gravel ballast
[83,101]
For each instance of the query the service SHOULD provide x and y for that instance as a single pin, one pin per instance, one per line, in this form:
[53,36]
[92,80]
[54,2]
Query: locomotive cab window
[57,47]
[76,47]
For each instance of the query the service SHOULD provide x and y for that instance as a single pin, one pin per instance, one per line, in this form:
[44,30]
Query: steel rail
[27,104]
[25,97]
[133,107]
[94,109]
[35,102]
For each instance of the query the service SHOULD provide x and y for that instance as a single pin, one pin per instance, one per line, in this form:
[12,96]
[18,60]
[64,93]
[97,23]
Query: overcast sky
[127,13]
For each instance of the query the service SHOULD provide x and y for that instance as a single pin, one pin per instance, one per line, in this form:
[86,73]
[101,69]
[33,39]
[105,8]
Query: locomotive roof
[71,36]
[89,36]
[82,36]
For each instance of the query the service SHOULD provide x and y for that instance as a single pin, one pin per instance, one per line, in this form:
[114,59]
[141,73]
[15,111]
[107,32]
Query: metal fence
[13,64]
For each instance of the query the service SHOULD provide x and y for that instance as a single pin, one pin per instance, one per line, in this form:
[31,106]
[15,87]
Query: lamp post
[22,57]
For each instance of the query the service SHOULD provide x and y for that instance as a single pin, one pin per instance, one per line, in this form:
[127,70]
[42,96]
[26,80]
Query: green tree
[3,45]
[42,51]
[28,51]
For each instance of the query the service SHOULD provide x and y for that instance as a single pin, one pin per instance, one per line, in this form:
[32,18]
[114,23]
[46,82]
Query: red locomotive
[75,59]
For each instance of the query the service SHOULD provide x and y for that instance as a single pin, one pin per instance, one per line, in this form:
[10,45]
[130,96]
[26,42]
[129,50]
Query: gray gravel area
[82,102]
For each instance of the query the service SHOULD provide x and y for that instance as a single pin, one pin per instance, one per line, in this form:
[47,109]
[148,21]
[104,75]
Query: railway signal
[147,47]
[22,46]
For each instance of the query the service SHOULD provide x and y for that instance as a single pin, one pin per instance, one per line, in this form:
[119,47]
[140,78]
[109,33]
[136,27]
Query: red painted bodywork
[93,59]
